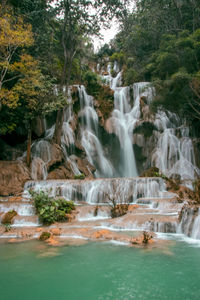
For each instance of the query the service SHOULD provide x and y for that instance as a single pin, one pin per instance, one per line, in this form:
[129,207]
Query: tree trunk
[28,157]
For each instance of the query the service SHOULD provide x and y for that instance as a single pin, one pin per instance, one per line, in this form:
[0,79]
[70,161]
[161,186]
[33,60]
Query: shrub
[92,82]
[118,56]
[119,210]
[44,236]
[51,210]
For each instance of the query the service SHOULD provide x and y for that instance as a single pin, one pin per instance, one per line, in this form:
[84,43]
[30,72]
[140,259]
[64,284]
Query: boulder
[13,176]
[62,172]
[56,156]
[8,217]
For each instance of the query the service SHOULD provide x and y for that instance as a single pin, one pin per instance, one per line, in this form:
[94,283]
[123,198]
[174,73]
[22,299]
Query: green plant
[44,236]
[51,210]
[7,227]
[81,176]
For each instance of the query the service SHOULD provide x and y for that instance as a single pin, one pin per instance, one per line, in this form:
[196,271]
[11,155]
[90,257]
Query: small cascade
[25,213]
[89,136]
[120,190]
[190,222]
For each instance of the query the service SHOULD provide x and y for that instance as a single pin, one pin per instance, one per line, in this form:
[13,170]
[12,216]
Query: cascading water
[174,153]
[89,133]
[124,119]
[122,190]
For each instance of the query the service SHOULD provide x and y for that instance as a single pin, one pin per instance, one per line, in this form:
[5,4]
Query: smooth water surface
[33,271]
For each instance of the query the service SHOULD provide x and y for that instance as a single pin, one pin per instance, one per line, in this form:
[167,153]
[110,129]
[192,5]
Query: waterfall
[174,153]
[122,190]
[123,121]
[190,222]
[89,135]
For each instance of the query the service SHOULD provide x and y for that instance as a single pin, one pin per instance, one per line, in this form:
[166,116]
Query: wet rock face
[38,126]
[196,143]
[62,172]
[13,176]
[56,156]
[65,171]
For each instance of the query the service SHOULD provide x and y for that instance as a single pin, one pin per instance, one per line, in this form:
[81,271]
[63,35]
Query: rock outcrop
[13,176]
[65,171]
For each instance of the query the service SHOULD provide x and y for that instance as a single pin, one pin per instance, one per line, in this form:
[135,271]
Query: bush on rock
[51,210]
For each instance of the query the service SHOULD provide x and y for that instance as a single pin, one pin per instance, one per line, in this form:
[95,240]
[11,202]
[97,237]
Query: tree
[24,91]
[194,102]
[14,35]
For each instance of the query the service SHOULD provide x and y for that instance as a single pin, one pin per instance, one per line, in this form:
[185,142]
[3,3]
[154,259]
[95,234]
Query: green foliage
[175,93]
[130,75]
[166,65]
[51,210]
[92,82]
[7,227]
[104,51]
[117,56]
[81,176]
[45,236]
[145,129]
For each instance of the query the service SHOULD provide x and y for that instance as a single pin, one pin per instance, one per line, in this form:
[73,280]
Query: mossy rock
[8,217]
[80,177]
[151,172]
[146,129]
[44,236]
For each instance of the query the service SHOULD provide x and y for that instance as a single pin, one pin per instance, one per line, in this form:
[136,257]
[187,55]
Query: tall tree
[14,35]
